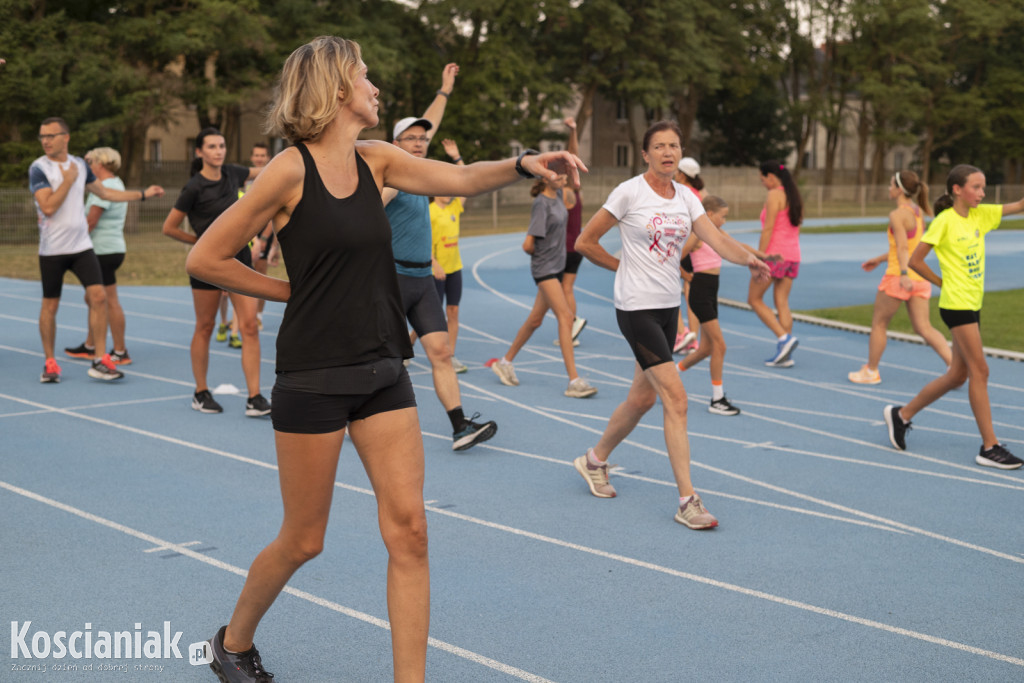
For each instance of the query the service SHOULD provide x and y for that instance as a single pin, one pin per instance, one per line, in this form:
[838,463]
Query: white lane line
[309,597]
[672,484]
[627,560]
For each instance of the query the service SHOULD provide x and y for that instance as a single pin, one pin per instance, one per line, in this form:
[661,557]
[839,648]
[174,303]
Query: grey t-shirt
[548,218]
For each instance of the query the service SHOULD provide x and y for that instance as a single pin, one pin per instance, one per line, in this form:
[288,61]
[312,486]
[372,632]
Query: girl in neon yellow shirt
[958,236]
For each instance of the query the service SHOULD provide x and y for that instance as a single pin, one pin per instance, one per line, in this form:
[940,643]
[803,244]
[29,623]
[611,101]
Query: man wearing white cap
[411,243]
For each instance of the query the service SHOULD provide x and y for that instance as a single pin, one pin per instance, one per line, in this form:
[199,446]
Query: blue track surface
[837,557]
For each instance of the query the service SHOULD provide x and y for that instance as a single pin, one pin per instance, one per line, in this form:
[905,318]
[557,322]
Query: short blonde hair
[107,157]
[306,98]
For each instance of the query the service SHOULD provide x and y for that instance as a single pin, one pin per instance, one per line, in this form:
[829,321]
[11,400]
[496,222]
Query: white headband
[899,184]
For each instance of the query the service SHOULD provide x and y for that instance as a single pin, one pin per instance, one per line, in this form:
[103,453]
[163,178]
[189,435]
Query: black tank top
[345,307]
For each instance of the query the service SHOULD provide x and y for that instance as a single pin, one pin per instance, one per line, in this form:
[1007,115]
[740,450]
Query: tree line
[746,80]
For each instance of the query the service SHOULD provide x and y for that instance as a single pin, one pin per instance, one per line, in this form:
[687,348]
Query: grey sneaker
[459,366]
[241,667]
[580,388]
[505,372]
[575,342]
[577,326]
[596,476]
[204,403]
[694,515]
[105,369]
[999,457]
[897,427]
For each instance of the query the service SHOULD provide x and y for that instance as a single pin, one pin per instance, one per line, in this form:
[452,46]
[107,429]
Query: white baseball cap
[409,122]
[689,166]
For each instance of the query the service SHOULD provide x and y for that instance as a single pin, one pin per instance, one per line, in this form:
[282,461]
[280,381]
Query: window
[156,151]
[517,149]
[898,160]
[555,146]
[621,154]
[621,110]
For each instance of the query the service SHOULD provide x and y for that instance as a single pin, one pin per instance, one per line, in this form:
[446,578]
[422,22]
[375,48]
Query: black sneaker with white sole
[897,427]
[257,406]
[204,403]
[723,407]
[999,457]
[237,667]
[472,433]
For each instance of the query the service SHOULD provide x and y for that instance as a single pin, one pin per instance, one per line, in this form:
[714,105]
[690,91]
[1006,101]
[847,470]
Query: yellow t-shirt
[444,230]
[960,246]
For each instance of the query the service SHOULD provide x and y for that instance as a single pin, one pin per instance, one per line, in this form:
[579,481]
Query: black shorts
[650,333]
[84,265]
[553,276]
[109,263]
[245,256]
[421,304]
[573,259]
[687,264]
[266,246]
[324,401]
[449,290]
[703,297]
[954,318]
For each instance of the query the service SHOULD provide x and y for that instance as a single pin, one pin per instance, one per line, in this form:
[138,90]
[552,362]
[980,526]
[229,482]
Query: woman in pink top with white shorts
[780,235]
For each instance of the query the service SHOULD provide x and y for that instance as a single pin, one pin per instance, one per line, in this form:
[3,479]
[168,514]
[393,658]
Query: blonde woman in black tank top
[324,100]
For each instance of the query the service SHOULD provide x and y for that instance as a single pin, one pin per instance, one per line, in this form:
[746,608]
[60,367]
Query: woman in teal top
[958,236]
[106,229]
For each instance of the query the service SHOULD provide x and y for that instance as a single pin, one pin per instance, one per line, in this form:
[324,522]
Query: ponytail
[957,176]
[796,203]
[911,186]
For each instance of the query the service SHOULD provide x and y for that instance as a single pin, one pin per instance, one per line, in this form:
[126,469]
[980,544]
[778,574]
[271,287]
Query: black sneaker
[472,433]
[105,369]
[241,667]
[121,358]
[723,407]
[204,403]
[998,456]
[257,406]
[80,351]
[897,427]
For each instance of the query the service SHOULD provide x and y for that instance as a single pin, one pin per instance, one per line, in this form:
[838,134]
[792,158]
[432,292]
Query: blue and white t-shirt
[66,231]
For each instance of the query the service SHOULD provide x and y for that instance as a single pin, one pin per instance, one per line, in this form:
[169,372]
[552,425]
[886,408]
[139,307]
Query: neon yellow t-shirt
[959,244]
[444,230]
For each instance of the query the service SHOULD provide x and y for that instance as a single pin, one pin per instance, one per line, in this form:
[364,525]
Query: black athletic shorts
[421,304]
[84,265]
[109,263]
[954,318]
[324,401]
[553,276]
[573,259]
[650,333]
[703,297]
[449,290]
[245,256]
[687,264]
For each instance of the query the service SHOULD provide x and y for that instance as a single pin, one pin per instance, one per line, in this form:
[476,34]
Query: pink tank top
[785,239]
[705,258]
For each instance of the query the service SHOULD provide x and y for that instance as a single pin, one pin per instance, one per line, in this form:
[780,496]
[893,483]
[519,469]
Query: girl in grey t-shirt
[545,243]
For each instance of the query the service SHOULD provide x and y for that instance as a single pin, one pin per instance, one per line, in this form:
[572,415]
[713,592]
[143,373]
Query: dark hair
[659,127]
[260,145]
[796,203]
[957,176]
[696,182]
[197,163]
[911,186]
[537,188]
[56,119]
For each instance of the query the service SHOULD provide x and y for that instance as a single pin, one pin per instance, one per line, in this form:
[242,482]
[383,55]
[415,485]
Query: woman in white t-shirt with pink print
[655,216]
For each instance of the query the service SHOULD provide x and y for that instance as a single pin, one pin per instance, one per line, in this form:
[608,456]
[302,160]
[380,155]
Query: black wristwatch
[523,173]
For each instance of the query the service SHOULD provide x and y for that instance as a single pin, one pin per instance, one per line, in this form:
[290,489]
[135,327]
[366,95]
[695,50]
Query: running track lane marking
[309,597]
[526,534]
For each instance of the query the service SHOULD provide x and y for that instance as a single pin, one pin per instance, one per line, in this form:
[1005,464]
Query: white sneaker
[683,339]
[575,342]
[577,326]
[459,366]
[505,372]
[580,388]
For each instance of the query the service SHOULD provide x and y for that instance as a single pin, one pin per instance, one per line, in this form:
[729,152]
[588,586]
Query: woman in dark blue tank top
[343,337]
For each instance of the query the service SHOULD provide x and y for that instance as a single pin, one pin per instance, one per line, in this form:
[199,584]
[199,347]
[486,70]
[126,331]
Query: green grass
[1000,318]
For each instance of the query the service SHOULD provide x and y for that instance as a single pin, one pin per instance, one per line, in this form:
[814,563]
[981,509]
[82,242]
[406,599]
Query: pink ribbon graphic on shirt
[656,244]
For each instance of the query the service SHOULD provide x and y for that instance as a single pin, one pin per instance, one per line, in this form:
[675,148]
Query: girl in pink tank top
[780,236]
